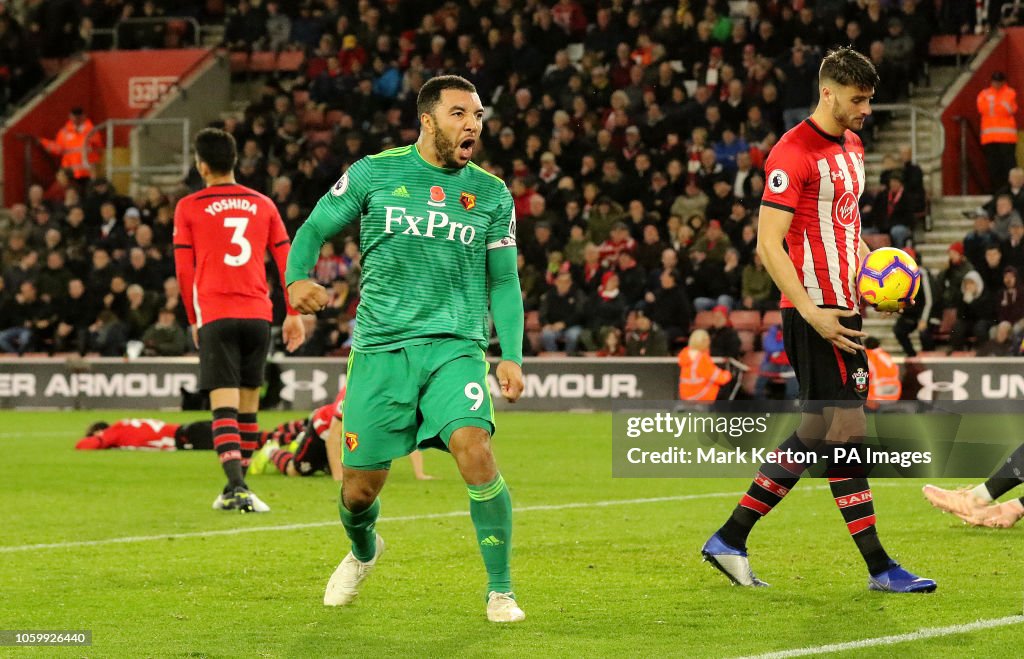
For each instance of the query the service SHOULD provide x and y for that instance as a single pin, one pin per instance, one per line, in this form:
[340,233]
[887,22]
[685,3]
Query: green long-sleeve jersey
[437,245]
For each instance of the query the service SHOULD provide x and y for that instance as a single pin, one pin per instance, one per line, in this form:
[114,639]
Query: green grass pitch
[599,571]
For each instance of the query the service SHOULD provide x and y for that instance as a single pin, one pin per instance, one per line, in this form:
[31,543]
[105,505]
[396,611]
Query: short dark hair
[849,68]
[430,92]
[217,149]
[96,427]
[871,343]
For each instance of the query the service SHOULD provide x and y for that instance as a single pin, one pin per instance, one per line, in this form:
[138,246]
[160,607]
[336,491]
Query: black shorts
[823,371]
[311,453]
[232,353]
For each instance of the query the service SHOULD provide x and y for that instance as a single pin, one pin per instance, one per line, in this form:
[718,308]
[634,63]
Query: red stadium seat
[703,320]
[943,45]
[300,98]
[752,360]
[946,327]
[747,340]
[239,61]
[532,326]
[745,320]
[263,62]
[771,318]
[290,60]
[970,43]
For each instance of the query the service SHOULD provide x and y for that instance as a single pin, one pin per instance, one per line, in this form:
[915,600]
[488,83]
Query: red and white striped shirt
[819,178]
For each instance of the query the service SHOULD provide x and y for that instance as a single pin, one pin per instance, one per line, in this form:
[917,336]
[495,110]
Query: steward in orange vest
[70,145]
[699,378]
[883,375]
[997,105]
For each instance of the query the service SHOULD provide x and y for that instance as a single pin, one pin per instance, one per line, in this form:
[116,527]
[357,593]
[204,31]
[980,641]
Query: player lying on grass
[295,448]
[311,446]
[977,506]
[148,435]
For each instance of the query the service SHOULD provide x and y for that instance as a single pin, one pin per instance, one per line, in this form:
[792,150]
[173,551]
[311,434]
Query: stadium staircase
[947,220]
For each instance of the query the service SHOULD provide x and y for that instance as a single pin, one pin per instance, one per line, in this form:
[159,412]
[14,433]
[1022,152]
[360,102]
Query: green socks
[490,507]
[360,529]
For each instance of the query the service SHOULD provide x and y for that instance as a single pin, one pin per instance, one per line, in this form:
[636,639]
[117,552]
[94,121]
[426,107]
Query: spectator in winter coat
[669,307]
[561,315]
[645,339]
[725,342]
[775,366]
[975,313]
[1011,300]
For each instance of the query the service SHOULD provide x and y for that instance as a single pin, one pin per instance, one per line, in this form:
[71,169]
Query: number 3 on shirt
[238,238]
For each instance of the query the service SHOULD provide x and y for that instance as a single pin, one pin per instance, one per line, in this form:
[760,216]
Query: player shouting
[437,236]
[221,234]
[814,181]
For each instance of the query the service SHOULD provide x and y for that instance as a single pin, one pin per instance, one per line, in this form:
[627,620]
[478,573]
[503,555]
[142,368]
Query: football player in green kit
[437,235]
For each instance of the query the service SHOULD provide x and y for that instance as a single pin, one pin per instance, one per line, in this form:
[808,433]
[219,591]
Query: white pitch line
[32,433]
[313,525]
[406,518]
[920,634]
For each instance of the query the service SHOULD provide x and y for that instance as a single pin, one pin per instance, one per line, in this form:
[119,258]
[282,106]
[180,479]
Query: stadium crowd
[632,137]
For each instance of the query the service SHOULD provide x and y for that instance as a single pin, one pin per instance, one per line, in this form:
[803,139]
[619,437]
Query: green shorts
[413,397]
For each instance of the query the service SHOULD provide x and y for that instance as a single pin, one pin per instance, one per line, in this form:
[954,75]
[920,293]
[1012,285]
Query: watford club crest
[860,380]
[351,441]
[468,200]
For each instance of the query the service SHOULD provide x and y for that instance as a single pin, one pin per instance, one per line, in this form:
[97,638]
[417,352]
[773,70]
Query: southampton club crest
[860,380]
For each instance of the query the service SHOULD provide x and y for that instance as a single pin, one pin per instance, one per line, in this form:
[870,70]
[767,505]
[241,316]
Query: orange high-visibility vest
[699,378]
[884,382]
[70,146]
[997,108]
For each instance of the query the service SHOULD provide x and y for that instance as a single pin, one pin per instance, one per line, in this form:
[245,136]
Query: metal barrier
[32,145]
[167,20]
[916,114]
[967,173]
[134,168]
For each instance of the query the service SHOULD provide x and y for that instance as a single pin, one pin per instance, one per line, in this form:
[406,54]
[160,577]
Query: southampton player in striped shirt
[814,182]
[437,235]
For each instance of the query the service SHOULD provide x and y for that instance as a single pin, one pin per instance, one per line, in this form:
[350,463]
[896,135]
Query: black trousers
[1000,158]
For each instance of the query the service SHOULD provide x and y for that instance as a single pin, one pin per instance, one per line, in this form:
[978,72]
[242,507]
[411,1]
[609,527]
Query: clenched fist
[307,296]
